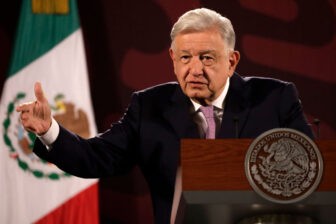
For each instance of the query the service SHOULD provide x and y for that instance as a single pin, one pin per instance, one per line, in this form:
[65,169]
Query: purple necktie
[208,113]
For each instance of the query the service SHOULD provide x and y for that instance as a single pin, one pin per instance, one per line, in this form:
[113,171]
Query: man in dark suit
[157,118]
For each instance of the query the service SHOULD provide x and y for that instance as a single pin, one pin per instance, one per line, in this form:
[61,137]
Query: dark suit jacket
[157,118]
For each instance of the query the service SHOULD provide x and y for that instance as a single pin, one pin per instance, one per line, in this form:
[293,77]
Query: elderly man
[207,101]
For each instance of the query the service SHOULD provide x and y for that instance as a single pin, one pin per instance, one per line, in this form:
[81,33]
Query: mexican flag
[49,49]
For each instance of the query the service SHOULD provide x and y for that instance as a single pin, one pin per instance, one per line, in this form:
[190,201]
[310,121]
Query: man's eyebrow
[201,52]
[185,51]
[208,52]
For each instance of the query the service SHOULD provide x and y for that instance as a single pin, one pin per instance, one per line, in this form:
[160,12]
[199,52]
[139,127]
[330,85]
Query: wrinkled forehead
[199,41]
[209,33]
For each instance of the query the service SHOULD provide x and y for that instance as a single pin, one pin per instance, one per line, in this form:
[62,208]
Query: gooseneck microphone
[317,123]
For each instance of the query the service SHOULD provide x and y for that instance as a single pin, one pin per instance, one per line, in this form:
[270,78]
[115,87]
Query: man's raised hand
[36,116]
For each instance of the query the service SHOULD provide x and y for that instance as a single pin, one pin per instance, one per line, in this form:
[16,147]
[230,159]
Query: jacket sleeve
[110,153]
[291,113]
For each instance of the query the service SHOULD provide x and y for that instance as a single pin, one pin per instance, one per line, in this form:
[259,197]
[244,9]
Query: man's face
[202,64]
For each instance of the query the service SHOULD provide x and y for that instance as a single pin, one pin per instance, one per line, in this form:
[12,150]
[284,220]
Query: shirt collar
[219,102]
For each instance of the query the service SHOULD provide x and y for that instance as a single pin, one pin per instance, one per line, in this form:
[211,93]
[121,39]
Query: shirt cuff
[51,135]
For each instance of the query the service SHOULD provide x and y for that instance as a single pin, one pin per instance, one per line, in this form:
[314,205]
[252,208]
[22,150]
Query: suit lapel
[177,113]
[236,108]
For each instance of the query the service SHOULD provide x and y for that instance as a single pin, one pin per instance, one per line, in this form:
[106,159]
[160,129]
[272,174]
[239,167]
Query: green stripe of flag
[38,33]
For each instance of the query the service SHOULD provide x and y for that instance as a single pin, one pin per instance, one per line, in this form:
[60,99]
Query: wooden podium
[215,188]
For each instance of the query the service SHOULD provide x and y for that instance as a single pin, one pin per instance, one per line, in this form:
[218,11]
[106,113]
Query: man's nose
[196,67]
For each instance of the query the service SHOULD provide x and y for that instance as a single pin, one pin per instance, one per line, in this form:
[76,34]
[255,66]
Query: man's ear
[172,55]
[234,58]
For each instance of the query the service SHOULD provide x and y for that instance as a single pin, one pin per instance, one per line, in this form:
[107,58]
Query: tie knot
[207,111]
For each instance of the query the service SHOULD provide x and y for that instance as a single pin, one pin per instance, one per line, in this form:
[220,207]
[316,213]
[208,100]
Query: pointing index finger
[39,92]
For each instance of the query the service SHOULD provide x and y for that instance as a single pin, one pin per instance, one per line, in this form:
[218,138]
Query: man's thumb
[39,92]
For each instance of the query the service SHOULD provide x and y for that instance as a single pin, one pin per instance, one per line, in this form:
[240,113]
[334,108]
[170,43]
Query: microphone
[236,122]
[317,123]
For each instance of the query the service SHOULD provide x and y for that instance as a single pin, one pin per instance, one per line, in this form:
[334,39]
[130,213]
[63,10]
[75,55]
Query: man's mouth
[196,84]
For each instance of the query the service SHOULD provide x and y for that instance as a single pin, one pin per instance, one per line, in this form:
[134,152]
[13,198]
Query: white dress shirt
[218,104]
[51,135]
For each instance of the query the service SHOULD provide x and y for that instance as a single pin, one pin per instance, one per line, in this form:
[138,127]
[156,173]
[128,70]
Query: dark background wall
[127,46]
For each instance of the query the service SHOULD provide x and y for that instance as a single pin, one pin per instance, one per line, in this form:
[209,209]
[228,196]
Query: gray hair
[203,19]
